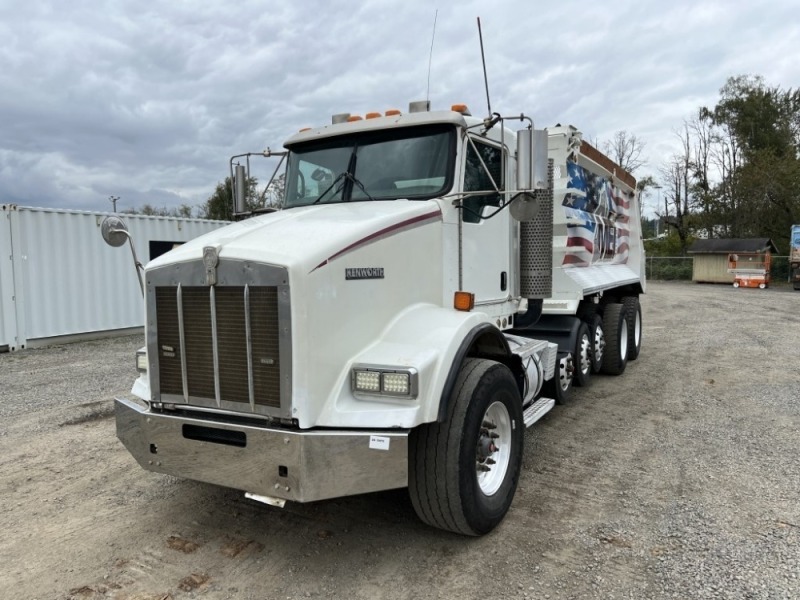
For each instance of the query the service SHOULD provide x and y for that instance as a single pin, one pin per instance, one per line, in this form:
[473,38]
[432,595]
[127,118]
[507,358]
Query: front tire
[463,472]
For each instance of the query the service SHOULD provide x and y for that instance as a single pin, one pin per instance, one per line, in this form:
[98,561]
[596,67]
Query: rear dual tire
[616,331]
[595,323]
[582,356]
[634,313]
[560,386]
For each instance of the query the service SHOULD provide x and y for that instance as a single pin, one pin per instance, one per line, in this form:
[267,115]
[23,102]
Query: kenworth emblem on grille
[364,273]
[211,260]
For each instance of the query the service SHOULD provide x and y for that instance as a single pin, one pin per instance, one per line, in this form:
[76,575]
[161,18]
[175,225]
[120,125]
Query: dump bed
[597,242]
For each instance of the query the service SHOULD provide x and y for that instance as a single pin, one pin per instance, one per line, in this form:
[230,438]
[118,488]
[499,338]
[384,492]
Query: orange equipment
[749,269]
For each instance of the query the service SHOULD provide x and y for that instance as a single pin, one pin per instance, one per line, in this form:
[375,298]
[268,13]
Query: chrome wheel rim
[623,340]
[493,452]
[585,356]
[599,344]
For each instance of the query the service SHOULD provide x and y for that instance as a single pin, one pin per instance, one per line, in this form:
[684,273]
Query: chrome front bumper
[301,466]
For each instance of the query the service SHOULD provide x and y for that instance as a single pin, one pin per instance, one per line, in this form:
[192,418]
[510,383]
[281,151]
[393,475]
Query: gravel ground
[678,479]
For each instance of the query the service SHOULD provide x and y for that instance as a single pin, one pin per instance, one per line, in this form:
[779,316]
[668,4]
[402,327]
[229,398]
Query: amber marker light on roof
[305,129]
[352,118]
[393,112]
[464,301]
[460,108]
[372,115]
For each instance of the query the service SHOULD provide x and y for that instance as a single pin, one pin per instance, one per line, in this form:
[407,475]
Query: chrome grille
[219,346]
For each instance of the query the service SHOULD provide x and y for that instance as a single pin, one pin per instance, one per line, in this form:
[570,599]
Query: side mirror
[239,190]
[531,173]
[531,159]
[114,231]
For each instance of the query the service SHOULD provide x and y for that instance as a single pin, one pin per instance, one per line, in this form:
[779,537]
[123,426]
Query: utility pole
[113,200]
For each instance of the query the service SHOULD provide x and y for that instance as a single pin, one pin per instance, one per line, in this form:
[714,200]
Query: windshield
[410,162]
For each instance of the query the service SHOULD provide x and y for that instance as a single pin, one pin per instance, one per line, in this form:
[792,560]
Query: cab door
[486,239]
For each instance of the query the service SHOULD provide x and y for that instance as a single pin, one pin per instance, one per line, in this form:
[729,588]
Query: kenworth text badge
[364,273]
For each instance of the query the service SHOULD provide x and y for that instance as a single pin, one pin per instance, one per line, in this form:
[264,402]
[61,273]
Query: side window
[478,178]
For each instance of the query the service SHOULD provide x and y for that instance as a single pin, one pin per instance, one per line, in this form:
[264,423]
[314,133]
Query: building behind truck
[434,283]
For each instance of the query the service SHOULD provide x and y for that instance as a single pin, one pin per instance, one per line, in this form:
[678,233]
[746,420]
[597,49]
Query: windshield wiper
[347,174]
[350,179]
[339,177]
[355,180]
[347,191]
[350,174]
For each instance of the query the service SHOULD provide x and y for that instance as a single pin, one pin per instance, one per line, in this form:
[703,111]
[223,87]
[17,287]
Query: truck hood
[308,237]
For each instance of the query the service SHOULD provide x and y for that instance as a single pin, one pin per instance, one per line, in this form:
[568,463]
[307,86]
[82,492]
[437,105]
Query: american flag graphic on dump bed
[597,214]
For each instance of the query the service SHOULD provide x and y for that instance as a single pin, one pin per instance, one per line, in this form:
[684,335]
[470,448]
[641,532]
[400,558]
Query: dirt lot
[679,479]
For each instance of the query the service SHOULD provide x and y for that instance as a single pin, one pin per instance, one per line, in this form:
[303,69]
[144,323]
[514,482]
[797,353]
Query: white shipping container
[59,278]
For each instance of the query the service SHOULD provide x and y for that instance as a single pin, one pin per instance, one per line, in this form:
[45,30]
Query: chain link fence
[674,268]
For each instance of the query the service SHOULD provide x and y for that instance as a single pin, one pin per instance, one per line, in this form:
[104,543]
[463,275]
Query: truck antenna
[485,78]
[430,57]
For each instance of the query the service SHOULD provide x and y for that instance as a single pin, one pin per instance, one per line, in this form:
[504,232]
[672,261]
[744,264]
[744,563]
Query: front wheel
[463,472]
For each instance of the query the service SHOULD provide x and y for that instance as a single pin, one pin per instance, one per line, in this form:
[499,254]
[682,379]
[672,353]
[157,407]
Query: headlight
[396,383]
[141,360]
[385,381]
[367,381]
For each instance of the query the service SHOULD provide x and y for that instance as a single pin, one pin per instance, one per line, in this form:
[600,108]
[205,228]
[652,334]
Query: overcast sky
[147,101]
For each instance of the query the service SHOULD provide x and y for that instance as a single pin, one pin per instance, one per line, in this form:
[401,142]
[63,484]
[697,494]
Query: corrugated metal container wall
[8,324]
[72,282]
[711,268]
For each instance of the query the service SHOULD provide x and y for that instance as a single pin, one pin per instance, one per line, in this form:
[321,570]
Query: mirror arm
[138,265]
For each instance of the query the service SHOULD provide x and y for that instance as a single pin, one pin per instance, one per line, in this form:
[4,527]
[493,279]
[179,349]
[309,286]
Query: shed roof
[725,246]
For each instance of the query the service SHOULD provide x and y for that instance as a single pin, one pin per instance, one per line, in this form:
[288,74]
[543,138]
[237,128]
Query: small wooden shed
[710,263]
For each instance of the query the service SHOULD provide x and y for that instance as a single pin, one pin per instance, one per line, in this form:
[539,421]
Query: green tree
[273,194]
[770,185]
[738,171]
[219,205]
[760,131]
[760,117]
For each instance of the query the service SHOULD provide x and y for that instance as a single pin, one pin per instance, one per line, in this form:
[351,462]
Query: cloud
[148,101]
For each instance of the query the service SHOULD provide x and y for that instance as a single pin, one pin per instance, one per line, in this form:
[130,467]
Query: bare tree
[625,149]
[676,177]
[703,138]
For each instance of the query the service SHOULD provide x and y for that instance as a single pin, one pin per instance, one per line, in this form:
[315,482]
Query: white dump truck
[433,283]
